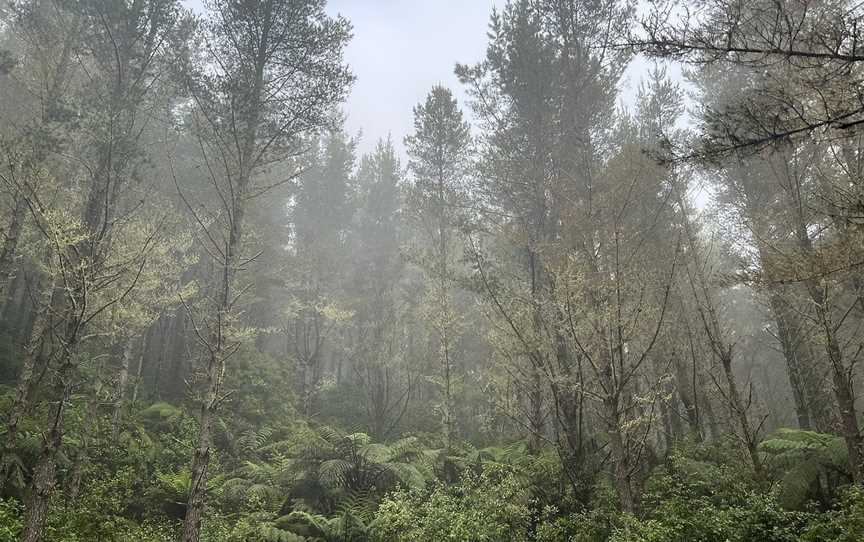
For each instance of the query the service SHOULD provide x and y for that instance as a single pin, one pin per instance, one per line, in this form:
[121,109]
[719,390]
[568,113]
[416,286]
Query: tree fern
[800,458]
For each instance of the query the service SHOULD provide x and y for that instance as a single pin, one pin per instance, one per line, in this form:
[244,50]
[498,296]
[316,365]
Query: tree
[438,150]
[381,344]
[274,70]
[803,48]
[320,218]
[122,43]
[545,97]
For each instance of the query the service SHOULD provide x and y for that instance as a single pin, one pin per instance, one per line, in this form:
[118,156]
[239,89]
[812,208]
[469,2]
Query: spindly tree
[439,158]
[272,72]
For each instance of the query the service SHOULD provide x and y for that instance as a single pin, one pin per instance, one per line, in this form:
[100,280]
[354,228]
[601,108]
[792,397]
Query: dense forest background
[219,322]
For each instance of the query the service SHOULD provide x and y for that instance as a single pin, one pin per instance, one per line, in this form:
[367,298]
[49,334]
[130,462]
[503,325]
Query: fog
[347,271]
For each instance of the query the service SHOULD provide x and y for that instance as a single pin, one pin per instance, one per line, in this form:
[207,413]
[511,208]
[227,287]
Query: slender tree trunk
[10,243]
[20,403]
[140,371]
[844,392]
[842,376]
[217,341]
[44,479]
[793,362]
[622,469]
[82,456]
[201,457]
[123,384]
[708,313]
[748,434]
[687,387]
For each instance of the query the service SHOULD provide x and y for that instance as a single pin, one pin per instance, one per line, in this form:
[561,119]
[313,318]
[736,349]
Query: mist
[511,270]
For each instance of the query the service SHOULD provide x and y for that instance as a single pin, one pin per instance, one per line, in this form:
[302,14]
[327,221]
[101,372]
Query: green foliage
[315,528]
[106,510]
[10,520]
[800,460]
[843,523]
[487,507]
[350,468]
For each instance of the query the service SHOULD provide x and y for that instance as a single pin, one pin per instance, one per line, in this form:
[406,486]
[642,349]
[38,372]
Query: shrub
[490,506]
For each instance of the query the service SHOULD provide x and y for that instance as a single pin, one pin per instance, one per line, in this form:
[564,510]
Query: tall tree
[273,72]
[438,151]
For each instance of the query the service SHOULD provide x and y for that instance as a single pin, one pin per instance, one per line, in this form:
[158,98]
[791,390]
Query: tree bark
[20,403]
[44,480]
[10,244]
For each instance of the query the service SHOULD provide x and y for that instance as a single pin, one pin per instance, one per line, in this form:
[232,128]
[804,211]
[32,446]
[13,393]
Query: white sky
[401,48]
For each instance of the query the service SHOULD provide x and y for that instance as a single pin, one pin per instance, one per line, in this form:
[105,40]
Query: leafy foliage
[802,460]
[489,507]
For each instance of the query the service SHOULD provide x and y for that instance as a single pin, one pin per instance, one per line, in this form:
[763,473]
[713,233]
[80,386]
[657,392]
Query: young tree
[438,152]
[273,72]
[121,44]
[545,96]
[382,330]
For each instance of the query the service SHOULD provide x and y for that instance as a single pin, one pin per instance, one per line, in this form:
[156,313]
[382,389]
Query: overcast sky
[401,48]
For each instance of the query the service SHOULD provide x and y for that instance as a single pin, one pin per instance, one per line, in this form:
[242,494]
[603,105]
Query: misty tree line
[191,240]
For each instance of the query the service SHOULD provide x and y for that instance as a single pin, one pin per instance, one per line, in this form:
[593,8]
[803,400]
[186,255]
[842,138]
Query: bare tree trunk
[793,361]
[10,243]
[622,469]
[842,376]
[44,480]
[708,313]
[123,384]
[36,504]
[844,392]
[739,410]
[139,372]
[216,342]
[687,386]
[201,457]
[20,404]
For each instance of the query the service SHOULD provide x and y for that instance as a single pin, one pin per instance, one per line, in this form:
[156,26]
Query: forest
[550,313]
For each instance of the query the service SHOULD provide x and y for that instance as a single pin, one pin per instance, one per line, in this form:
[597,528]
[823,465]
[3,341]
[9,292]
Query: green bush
[844,523]
[10,520]
[491,506]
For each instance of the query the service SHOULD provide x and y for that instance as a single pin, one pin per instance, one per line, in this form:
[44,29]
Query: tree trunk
[44,480]
[201,457]
[740,412]
[10,244]
[122,385]
[622,470]
[20,403]
[790,353]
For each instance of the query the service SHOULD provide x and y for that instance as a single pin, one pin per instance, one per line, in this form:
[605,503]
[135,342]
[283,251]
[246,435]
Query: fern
[800,458]
[316,528]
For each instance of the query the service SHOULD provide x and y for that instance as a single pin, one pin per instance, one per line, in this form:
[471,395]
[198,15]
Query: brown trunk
[10,243]
[708,313]
[790,353]
[739,411]
[686,386]
[20,403]
[622,470]
[201,457]
[216,344]
[844,392]
[44,480]
[122,385]
[36,505]
[842,376]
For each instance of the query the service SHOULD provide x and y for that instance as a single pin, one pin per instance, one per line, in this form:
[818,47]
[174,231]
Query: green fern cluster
[806,464]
